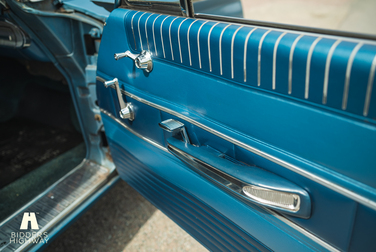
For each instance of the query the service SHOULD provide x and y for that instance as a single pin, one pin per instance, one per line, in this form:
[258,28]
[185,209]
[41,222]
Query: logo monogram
[29,217]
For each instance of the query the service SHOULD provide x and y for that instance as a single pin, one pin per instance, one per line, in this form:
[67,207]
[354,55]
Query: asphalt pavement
[123,220]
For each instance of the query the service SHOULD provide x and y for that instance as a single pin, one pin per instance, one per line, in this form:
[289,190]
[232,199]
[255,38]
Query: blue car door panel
[292,113]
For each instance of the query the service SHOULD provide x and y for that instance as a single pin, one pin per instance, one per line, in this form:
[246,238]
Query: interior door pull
[249,183]
[126,109]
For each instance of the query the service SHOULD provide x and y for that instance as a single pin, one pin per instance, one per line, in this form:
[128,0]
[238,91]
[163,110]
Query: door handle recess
[126,109]
[249,183]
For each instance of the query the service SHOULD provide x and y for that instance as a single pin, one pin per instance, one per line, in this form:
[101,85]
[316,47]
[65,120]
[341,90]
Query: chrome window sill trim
[292,27]
[57,202]
[333,186]
[273,213]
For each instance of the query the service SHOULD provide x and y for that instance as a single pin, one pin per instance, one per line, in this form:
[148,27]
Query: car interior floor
[40,140]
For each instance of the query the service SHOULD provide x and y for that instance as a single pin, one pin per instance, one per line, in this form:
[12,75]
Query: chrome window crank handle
[126,109]
[142,60]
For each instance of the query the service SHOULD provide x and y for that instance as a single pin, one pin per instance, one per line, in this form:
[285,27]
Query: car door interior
[249,137]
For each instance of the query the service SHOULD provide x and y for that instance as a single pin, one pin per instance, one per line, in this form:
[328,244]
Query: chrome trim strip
[344,191]
[327,67]
[220,48]
[290,60]
[100,79]
[245,53]
[134,132]
[259,58]
[232,51]
[134,37]
[369,87]
[210,64]
[295,29]
[275,57]
[308,67]
[271,212]
[198,43]
[146,31]
[189,44]
[181,57]
[348,73]
[155,46]
[164,55]
[169,34]
[139,31]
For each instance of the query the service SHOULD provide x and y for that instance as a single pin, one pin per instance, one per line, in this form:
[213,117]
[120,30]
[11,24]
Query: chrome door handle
[126,109]
[250,183]
[142,60]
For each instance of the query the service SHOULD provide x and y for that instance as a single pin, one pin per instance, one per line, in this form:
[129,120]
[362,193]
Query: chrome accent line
[181,57]
[146,31]
[293,29]
[291,59]
[186,9]
[327,67]
[189,44]
[134,37]
[210,31]
[134,132]
[259,58]
[220,48]
[232,51]
[308,67]
[348,73]
[369,87]
[155,46]
[139,31]
[271,212]
[169,34]
[198,43]
[245,53]
[344,191]
[275,57]
[164,55]
[100,79]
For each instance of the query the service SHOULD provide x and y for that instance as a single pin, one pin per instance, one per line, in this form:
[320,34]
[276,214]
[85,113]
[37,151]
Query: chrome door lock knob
[175,127]
[142,60]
